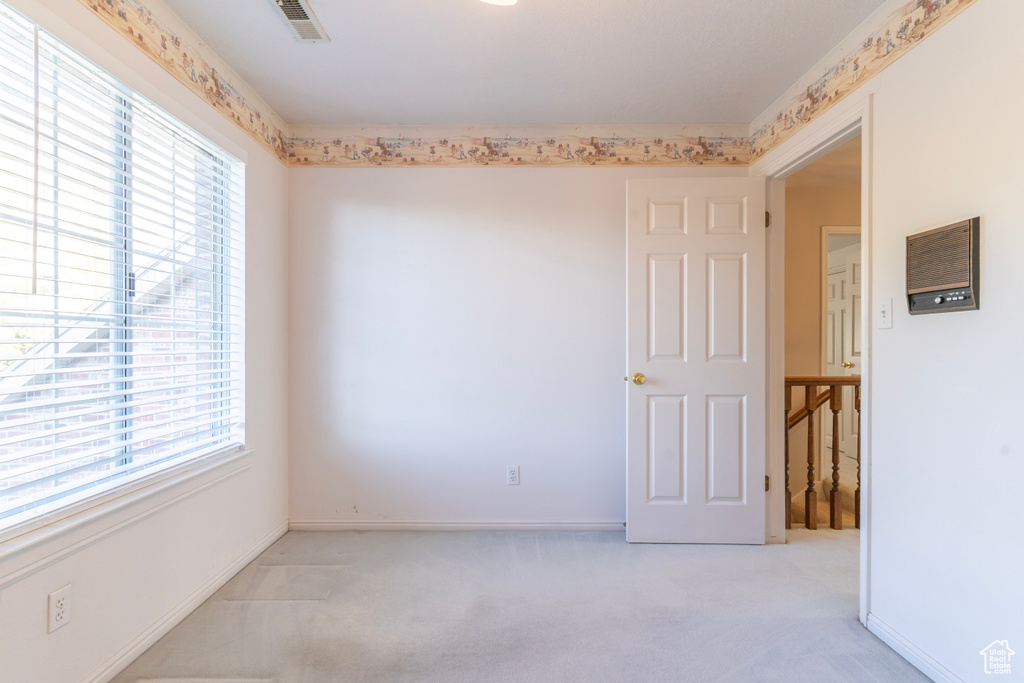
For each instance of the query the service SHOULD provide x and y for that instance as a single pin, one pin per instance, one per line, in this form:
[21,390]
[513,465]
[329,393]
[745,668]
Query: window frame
[127,487]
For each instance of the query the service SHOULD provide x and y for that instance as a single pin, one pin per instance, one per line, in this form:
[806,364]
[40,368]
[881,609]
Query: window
[121,282]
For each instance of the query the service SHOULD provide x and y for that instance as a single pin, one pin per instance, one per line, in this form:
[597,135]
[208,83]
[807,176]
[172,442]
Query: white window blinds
[121,282]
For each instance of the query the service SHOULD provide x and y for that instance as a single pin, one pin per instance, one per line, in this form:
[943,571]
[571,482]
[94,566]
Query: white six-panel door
[842,356]
[696,331]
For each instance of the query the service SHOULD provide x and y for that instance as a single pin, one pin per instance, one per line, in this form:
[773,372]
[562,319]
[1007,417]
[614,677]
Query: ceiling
[841,166]
[463,62]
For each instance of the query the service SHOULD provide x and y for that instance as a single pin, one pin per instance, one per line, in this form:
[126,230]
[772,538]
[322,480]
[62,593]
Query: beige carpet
[530,606]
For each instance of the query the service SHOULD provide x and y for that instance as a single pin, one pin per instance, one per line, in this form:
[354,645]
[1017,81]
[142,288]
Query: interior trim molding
[927,664]
[836,127]
[228,466]
[130,652]
[415,525]
[833,129]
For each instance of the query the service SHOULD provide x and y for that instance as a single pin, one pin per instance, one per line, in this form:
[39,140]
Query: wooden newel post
[810,495]
[835,508]
[856,495]
[789,496]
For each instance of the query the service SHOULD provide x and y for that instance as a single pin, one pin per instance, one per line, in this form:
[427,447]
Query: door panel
[727,216]
[726,448]
[667,297]
[667,218]
[696,329]
[667,448]
[726,307]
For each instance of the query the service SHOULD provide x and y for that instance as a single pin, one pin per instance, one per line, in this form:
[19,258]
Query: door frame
[843,122]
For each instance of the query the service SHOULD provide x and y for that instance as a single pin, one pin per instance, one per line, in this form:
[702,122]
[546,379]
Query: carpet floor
[530,606]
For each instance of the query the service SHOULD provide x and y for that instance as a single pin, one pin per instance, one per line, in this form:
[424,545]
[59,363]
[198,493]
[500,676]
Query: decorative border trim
[924,662]
[175,47]
[548,146]
[409,525]
[130,652]
[848,69]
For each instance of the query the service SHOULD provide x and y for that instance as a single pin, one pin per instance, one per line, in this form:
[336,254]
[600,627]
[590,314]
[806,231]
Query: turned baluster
[856,495]
[810,495]
[835,509]
[789,496]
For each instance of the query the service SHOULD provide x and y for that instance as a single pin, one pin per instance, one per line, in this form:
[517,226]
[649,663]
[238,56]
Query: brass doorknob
[639,378]
[847,364]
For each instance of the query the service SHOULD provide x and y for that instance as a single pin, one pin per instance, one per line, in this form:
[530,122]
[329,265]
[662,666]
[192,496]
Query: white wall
[132,567]
[946,557]
[447,323]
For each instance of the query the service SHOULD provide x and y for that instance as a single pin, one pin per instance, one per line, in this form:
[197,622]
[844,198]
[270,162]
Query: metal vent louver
[939,259]
[302,20]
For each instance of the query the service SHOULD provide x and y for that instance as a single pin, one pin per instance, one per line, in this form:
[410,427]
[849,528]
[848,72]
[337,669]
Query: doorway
[822,214]
[841,124]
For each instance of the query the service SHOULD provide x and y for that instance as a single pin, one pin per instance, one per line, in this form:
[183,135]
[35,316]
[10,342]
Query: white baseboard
[910,652]
[130,652]
[400,525]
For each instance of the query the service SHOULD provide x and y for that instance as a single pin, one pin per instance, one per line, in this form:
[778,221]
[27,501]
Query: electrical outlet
[59,608]
[512,476]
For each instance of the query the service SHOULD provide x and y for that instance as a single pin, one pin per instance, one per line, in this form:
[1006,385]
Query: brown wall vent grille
[942,269]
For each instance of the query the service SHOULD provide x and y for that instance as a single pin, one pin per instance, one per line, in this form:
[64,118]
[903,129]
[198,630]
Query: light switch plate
[883,314]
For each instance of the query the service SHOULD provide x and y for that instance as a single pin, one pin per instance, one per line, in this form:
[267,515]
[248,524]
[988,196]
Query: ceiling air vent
[302,20]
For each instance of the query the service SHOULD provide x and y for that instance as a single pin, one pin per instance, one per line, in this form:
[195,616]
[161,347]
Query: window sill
[33,533]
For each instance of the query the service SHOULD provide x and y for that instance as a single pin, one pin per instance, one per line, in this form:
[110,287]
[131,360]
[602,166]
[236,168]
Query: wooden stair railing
[800,414]
[833,395]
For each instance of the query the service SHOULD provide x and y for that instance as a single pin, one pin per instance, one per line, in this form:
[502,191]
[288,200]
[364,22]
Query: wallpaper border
[169,42]
[179,50]
[900,30]
[550,146]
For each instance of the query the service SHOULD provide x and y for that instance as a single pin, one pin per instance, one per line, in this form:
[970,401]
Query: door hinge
[767,482]
[767,219]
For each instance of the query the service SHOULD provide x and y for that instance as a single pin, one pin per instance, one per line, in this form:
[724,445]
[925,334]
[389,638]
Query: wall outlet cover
[512,475]
[58,608]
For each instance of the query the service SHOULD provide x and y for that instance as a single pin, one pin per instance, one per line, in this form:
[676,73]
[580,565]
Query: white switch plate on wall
[883,314]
